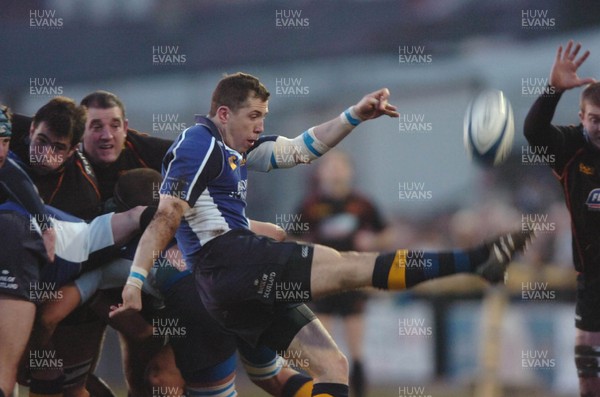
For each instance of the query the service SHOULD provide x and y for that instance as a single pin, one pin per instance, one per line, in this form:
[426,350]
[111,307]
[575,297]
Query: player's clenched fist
[374,105]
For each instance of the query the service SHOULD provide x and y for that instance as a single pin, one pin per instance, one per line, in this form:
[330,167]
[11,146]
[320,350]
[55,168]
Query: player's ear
[580,116]
[223,114]
[71,151]
[125,126]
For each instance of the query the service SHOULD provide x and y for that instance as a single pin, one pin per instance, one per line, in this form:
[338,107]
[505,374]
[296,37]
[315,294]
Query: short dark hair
[103,100]
[138,186]
[234,89]
[63,117]
[591,94]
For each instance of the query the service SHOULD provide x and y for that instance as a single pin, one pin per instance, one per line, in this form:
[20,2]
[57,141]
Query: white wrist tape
[350,117]
[137,276]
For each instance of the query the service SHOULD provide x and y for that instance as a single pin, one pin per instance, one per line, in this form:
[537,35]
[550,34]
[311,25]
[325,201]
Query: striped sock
[406,268]
[330,390]
[298,386]
[224,390]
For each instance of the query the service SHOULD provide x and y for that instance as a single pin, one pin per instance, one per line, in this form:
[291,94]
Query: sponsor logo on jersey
[593,200]
[7,280]
[304,251]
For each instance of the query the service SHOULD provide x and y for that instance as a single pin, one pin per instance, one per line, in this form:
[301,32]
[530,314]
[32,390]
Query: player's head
[239,105]
[335,174]
[5,133]
[105,129]
[589,112]
[137,187]
[55,131]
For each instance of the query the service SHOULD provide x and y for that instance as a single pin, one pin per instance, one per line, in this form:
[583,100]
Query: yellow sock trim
[305,390]
[397,274]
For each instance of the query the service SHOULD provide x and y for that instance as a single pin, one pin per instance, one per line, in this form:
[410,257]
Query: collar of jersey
[214,131]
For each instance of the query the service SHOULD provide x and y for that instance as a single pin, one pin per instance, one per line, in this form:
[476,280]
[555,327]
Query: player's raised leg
[334,271]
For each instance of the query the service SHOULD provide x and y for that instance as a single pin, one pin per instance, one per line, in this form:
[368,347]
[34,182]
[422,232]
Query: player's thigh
[333,271]
[16,322]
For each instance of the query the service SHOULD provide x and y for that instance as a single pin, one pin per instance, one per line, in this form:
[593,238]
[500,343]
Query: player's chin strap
[587,361]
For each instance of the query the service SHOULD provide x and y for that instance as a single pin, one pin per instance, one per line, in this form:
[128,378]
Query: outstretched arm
[538,128]
[280,152]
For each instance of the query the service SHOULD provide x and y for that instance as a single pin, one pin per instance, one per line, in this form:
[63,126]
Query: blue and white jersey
[212,178]
[76,240]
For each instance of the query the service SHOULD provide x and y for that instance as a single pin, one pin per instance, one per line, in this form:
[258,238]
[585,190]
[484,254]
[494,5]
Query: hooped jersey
[212,178]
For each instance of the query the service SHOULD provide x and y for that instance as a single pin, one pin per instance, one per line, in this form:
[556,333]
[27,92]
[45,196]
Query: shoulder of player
[137,138]
[200,136]
[573,136]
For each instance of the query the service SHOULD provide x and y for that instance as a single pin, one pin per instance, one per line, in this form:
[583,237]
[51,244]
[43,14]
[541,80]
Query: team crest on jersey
[593,200]
[232,162]
[586,169]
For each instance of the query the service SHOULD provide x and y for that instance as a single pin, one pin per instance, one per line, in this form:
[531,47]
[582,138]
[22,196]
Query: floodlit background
[163,58]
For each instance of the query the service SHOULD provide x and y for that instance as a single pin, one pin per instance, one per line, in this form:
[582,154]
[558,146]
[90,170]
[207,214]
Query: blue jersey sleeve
[18,187]
[191,163]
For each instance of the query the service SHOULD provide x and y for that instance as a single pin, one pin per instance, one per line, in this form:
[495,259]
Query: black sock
[52,387]
[295,386]
[357,379]
[406,268]
[330,389]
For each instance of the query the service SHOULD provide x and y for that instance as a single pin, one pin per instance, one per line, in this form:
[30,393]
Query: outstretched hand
[374,105]
[132,302]
[563,75]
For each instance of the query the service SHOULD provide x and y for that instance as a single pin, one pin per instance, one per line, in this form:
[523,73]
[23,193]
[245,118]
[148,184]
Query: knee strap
[587,361]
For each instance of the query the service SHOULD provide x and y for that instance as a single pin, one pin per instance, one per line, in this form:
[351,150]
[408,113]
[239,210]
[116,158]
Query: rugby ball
[489,128]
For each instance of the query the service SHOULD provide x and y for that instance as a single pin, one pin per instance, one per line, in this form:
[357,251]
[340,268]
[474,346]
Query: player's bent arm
[268,229]
[157,235]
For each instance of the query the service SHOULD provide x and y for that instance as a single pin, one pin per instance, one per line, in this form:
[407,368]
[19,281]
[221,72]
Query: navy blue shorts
[21,258]
[205,343]
[249,282]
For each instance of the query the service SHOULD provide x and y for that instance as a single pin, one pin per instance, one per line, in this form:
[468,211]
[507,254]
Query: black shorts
[248,282]
[587,310]
[21,258]
[203,343]
[342,304]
